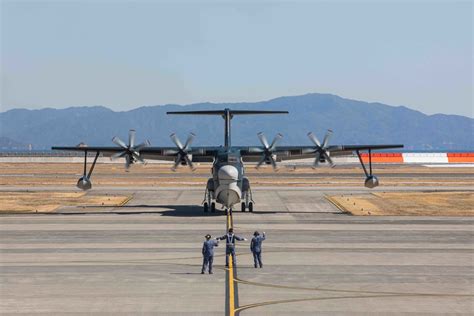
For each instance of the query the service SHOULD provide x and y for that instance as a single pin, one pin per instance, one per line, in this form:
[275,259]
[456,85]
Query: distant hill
[353,122]
[10,144]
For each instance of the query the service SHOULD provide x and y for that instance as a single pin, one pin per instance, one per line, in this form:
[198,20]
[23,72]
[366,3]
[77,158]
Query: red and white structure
[421,158]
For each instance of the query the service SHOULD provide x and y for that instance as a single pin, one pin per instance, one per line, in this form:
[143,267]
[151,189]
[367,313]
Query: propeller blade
[131,138]
[189,162]
[263,140]
[326,138]
[273,163]
[176,162]
[329,160]
[141,146]
[138,157]
[189,141]
[127,162]
[275,140]
[314,139]
[176,141]
[117,141]
[316,159]
[118,155]
[260,163]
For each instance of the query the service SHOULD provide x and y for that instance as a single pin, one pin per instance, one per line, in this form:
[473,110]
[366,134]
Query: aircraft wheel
[250,207]
[213,207]
[206,207]
[243,206]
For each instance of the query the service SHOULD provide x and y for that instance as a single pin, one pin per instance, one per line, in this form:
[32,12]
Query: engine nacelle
[84,183]
[371,182]
[183,161]
[268,160]
[323,159]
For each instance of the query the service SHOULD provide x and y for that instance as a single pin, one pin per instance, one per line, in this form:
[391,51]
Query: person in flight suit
[256,248]
[230,245]
[208,253]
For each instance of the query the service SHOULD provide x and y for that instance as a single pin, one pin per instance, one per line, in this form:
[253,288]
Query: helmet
[208,236]
[256,233]
[231,230]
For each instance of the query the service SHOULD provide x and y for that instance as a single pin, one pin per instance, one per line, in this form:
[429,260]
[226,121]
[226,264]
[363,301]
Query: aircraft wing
[304,152]
[199,154]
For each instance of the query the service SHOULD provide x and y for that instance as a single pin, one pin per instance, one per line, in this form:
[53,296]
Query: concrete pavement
[144,258]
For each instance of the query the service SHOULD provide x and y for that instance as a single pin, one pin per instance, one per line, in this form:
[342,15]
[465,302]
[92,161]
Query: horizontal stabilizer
[231,112]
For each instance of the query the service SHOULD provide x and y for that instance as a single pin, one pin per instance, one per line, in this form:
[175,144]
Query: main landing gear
[247,202]
[243,206]
[208,203]
[212,208]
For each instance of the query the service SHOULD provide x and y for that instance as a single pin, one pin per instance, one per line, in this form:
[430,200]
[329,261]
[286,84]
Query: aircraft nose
[228,173]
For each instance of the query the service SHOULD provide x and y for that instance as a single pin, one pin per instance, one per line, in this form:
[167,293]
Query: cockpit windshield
[228,157]
[222,158]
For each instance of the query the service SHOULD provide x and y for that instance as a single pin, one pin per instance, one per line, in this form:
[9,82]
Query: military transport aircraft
[228,185]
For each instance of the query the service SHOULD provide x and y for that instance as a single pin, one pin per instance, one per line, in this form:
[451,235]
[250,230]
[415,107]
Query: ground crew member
[230,245]
[208,253]
[256,248]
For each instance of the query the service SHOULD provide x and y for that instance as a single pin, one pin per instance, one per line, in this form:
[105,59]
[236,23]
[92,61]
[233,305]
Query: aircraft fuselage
[228,183]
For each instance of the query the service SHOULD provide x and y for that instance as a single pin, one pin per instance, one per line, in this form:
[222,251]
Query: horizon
[126,54]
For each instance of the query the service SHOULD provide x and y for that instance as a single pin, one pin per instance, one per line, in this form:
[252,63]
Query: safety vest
[230,240]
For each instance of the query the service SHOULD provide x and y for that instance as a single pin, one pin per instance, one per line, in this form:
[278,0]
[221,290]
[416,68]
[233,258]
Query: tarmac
[144,258]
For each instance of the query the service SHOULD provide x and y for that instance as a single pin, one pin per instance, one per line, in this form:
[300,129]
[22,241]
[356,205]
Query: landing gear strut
[84,182]
[371,181]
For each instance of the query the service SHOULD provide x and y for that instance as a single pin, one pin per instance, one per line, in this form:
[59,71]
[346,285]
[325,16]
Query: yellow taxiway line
[230,275]
[125,201]
[231,289]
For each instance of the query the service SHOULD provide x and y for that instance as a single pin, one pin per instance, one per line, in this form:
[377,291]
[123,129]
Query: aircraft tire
[243,206]
[213,207]
[206,207]
[250,207]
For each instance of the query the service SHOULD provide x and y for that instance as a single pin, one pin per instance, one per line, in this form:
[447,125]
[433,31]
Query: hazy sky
[126,54]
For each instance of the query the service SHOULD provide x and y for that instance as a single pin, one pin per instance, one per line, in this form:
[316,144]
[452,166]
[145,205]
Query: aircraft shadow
[170,210]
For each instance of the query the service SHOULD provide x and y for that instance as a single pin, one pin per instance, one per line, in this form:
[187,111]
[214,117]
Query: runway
[144,258]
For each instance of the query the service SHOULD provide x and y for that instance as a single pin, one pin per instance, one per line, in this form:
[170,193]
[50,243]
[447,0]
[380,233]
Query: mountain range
[353,122]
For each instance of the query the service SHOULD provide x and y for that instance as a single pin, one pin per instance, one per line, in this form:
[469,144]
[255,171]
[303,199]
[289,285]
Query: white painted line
[452,165]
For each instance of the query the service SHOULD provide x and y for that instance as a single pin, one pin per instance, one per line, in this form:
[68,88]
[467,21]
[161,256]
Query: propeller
[182,154]
[321,150]
[130,151]
[268,150]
